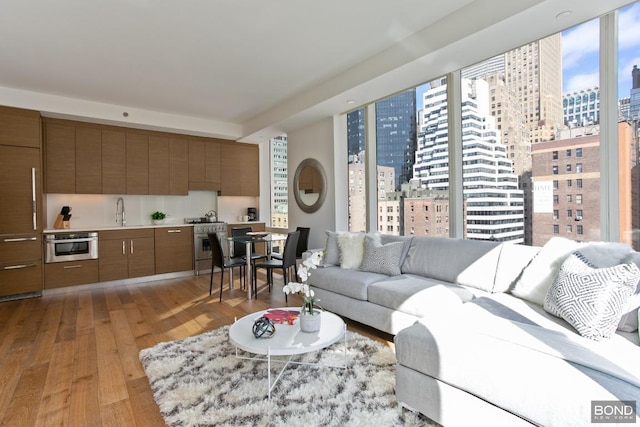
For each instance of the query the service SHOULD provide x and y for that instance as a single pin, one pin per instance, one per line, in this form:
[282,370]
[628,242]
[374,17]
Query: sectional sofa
[489,333]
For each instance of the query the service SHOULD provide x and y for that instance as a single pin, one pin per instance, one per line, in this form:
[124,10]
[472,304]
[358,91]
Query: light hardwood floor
[70,358]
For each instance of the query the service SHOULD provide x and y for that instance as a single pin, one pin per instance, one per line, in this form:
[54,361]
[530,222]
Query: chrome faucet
[120,214]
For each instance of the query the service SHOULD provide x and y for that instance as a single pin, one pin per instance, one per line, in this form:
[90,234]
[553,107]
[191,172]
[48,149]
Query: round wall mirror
[309,185]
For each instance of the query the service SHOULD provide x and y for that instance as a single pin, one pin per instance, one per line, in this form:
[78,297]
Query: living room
[315,128]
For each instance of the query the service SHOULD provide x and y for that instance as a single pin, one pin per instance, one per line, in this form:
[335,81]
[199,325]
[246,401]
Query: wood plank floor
[70,358]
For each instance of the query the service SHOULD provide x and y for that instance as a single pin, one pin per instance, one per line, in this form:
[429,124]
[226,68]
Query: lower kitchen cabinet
[126,253]
[70,273]
[20,264]
[173,249]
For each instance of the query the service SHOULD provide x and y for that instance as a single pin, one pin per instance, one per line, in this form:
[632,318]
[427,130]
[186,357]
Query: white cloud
[579,42]
[582,81]
[629,23]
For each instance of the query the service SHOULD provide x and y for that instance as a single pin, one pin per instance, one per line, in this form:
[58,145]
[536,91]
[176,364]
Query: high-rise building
[634,103]
[396,134]
[494,203]
[279,183]
[581,107]
[566,178]
[355,133]
[534,74]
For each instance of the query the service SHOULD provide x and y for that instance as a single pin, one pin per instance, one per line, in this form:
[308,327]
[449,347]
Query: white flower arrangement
[311,263]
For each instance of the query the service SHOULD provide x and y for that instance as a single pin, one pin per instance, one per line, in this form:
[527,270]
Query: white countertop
[112,227]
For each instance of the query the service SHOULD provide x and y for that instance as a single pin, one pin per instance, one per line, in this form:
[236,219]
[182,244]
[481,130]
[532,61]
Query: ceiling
[249,69]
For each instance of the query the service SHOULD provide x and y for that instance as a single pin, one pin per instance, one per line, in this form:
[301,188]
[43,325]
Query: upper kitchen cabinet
[114,168]
[158,165]
[20,127]
[168,165]
[240,170]
[88,160]
[137,163]
[204,165]
[60,157]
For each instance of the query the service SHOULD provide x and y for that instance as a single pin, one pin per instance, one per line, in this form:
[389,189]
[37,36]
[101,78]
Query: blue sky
[581,45]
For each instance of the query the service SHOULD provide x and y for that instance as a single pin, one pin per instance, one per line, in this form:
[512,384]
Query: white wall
[314,141]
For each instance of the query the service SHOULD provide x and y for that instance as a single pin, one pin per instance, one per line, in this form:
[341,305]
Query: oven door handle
[86,240]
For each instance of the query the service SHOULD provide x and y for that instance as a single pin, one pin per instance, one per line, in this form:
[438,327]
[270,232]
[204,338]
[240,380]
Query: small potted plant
[158,217]
[309,315]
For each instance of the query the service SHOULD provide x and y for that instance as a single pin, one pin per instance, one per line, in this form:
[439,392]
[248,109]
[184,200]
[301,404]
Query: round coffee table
[288,340]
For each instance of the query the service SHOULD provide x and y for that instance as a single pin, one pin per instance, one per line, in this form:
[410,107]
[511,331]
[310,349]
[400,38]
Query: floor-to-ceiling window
[279,182]
[528,143]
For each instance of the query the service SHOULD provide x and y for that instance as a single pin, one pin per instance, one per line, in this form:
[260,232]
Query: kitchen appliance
[61,247]
[252,213]
[202,247]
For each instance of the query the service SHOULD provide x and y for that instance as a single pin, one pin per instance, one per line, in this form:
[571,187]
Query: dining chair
[218,260]
[286,263]
[240,248]
[303,243]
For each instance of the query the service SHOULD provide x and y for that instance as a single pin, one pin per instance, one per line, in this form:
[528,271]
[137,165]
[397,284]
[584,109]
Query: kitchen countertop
[111,227]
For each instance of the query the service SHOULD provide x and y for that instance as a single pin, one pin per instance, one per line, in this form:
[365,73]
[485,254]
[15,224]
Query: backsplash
[99,210]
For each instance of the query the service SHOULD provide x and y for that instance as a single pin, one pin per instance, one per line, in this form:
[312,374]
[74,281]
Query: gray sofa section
[469,352]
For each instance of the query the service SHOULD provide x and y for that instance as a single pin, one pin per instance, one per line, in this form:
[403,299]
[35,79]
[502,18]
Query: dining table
[250,239]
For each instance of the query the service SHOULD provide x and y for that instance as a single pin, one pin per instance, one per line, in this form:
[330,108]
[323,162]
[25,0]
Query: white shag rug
[199,381]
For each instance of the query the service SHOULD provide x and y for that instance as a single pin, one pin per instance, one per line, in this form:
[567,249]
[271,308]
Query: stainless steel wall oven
[61,247]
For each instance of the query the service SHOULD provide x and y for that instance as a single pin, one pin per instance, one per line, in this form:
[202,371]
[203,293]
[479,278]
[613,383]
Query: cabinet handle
[20,239]
[174,231]
[124,248]
[132,247]
[72,266]
[18,267]
[33,198]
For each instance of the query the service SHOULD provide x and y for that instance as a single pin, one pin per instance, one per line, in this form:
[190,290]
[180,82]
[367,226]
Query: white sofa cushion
[351,283]
[351,249]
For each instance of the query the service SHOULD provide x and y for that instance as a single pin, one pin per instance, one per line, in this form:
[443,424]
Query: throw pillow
[537,277]
[379,258]
[332,256]
[351,249]
[629,320]
[591,299]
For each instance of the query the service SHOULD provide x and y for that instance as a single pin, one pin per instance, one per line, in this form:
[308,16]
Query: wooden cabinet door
[173,249]
[204,165]
[159,165]
[17,185]
[113,258]
[20,127]
[212,171]
[141,257]
[20,277]
[114,167]
[178,166]
[88,160]
[60,148]
[250,171]
[61,274]
[232,165]
[137,163]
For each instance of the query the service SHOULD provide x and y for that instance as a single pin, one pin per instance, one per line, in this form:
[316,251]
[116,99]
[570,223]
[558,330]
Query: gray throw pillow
[379,258]
[591,299]
[332,255]
[629,320]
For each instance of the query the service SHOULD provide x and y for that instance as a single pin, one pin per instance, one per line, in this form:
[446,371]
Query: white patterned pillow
[591,299]
[379,258]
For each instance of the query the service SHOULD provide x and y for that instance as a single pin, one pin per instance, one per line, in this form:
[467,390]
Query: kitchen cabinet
[137,163]
[204,165]
[20,128]
[21,199]
[240,170]
[71,273]
[173,249]
[168,165]
[60,157]
[20,264]
[114,167]
[126,253]
[88,160]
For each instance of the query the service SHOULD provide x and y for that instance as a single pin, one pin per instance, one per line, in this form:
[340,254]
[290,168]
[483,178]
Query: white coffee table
[288,340]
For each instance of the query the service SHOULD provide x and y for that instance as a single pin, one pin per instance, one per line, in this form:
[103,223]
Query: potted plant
[158,217]
[309,315]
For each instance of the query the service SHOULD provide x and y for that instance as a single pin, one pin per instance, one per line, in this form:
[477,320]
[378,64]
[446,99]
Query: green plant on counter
[157,215]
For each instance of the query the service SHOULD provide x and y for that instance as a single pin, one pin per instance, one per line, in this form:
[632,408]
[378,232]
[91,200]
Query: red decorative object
[282,316]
